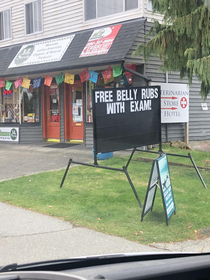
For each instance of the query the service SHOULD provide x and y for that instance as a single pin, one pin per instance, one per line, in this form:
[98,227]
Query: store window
[33,17]
[149,5]
[89,114]
[5,25]
[9,107]
[100,8]
[29,105]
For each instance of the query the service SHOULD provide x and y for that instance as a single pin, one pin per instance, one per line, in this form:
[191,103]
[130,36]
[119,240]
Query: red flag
[84,75]
[130,66]
[2,82]
[107,74]
[48,80]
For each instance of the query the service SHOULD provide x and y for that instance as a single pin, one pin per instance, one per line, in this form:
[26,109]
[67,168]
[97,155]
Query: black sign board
[160,174]
[126,118]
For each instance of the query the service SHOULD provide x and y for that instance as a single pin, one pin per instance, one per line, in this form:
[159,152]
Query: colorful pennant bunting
[93,76]
[84,75]
[130,66]
[26,83]
[107,73]
[69,78]
[37,82]
[2,82]
[59,78]
[48,80]
[18,82]
[117,71]
[8,85]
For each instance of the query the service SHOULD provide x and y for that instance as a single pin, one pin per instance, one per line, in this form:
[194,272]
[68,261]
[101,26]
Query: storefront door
[53,112]
[74,127]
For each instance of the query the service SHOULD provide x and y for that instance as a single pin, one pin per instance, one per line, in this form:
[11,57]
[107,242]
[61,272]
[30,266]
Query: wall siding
[59,17]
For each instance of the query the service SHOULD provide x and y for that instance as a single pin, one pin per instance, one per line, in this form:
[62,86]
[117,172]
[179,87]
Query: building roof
[71,58]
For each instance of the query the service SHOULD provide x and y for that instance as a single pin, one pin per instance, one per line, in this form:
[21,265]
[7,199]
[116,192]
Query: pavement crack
[159,248]
[33,234]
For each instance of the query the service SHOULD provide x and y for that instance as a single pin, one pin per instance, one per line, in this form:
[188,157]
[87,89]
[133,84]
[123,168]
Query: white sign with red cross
[174,102]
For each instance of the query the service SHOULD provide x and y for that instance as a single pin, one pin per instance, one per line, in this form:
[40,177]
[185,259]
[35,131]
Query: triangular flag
[93,76]
[129,79]
[59,78]
[48,80]
[18,82]
[26,83]
[8,85]
[37,82]
[84,75]
[117,71]
[2,82]
[69,78]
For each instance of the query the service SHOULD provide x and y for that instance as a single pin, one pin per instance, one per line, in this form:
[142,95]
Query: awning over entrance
[71,51]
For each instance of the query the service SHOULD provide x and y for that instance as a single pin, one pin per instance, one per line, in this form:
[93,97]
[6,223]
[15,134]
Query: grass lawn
[103,199]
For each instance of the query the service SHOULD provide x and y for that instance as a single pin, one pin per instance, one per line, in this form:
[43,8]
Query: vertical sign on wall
[174,102]
[160,173]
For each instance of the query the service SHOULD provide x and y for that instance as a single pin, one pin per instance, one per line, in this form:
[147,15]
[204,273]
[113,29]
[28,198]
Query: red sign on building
[100,41]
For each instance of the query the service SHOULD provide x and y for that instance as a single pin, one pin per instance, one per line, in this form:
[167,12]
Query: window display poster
[9,134]
[165,185]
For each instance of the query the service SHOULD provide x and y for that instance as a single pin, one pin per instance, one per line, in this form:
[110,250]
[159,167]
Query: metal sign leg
[197,171]
[132,186]
[67,168]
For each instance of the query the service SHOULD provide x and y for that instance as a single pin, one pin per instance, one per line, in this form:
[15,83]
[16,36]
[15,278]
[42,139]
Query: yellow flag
[26,83]
[69,78]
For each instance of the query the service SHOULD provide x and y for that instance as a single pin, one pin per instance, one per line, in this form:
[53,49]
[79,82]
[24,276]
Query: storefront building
[46,85]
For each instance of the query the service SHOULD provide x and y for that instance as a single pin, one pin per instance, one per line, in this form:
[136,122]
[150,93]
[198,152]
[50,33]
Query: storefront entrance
[73,111]
[51,122]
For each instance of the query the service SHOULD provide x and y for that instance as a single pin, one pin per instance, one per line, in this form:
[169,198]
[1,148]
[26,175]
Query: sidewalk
[26,236]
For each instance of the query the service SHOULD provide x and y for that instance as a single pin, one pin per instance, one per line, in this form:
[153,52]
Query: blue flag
[37,82]
[93,76]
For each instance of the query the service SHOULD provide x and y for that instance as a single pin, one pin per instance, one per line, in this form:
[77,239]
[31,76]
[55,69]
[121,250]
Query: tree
[182,40]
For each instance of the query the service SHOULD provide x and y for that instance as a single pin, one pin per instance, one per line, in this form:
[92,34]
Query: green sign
[13,134]
[9,134]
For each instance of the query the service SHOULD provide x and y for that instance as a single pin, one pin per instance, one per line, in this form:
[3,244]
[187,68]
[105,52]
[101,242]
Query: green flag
[59,78]
[117,71]
[8,85]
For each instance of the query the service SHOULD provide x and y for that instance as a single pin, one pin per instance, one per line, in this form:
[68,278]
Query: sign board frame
[125,118]
[160,174]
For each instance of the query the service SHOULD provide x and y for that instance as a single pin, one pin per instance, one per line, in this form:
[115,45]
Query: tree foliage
[182,40]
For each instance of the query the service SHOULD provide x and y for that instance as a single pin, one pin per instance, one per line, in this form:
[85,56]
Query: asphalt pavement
[26,236]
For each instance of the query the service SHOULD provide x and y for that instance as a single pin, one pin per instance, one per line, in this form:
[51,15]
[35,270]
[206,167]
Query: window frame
[10,27]
[107,16]
[149,6]
[41,21]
